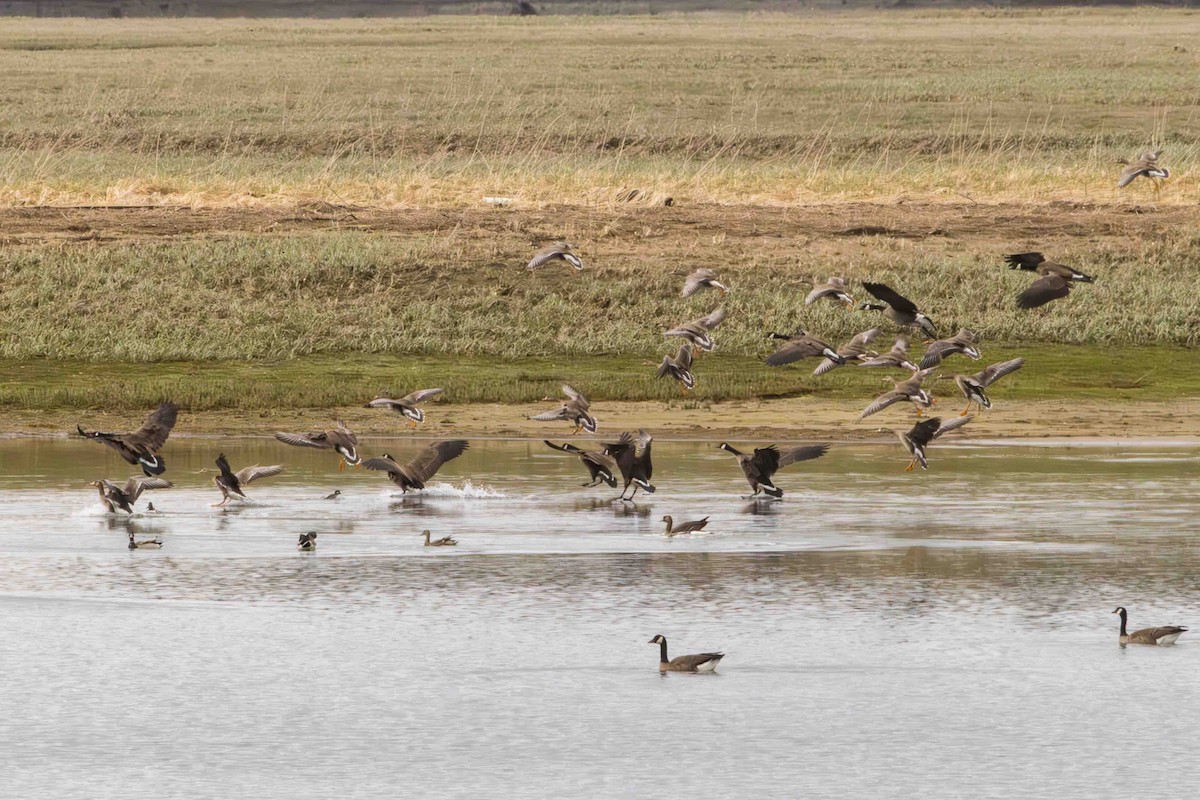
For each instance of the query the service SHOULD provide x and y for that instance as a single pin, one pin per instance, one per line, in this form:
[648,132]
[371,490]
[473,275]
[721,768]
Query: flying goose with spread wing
[417,472]
[141,446]
[407,405]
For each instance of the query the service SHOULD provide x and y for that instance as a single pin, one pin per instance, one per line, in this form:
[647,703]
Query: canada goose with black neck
[632,455]
[701,662]
[1055,279]
[1164,635]
[898,308]
[764,462]
[599,465]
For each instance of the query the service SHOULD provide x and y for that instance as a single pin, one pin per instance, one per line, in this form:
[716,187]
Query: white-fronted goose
[921,434]
[702,662]
[898,308]
[340,440]
[307,542]
[896,358]
[1146,166]
[633,459]
[800,345]
[905,390]
[599,465]
[416,473]
[853,350]
[761,465]
[1055,281]
[699,331]
[973,386]
[445,541]
[575,409]
[833,289]
[679,368]
[407,405]
[683,527]
[961,342]
[141,446]
[559,251]
[1164,635]
[123,497]
[230,483]
[702,279]
[145,544]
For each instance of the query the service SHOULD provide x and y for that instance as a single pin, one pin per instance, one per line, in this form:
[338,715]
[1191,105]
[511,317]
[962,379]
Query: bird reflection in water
[763,508]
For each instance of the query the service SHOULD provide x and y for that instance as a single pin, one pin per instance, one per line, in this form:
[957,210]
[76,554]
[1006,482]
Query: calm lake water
[936,635]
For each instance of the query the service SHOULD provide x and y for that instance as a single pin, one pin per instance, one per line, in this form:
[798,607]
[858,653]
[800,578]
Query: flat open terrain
[281,217]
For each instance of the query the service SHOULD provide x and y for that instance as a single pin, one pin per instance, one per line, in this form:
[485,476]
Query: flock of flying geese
[630,455]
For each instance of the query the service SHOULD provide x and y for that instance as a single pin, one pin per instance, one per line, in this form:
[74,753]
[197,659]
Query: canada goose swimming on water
[123,497]
[144,544]
[898,308]
[230,483]
[1146,166]
[1161,636]
[972,386]
[698,331]
[702,279]
[896,358]
[600,465]
[764,462]
[445,541]
[141,447]
[337,493]
[921,434]
[1055,281]
[633,459]
[800,344]
[340,440]
[407,405]
[962,342]
[683,527]
[416,473]
[853,350]
[559,251]
[575,409]
[308,542]
[679,368]
[905,390]
[833,289]
[703,662]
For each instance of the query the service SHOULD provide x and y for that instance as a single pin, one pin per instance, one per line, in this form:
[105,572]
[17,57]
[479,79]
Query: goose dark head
[657,640]
[1119,610]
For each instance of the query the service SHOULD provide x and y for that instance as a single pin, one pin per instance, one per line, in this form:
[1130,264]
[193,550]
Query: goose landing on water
[1164,635]
[924,432]
[113,496]
[761,465]
[575,409]
[632,455]
[141,447]
[230,483]
[340,440]
[416,473]
[702,662]
[599,465]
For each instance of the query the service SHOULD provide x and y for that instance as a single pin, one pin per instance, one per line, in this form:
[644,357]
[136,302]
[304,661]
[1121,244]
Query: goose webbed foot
[910,466]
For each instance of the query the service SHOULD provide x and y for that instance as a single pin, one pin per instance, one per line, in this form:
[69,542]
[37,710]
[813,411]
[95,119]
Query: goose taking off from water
[559,251]
[905,390]
[679,368]
[833,289]
[123,497]
[800,344]
[141,446]
[445,541]
[407,405]
[761,465]
[599,465]
[698,331]
[575,409]
[230,483]
[632,455]
[1146,166]
[897,357]
[921,434]
[962,342]
[1164,635]
[683,527]
[972,386]
[702,279]
[1055,281]
[898,308]
[853,350]
[340,440]
[416,473]
[702,662]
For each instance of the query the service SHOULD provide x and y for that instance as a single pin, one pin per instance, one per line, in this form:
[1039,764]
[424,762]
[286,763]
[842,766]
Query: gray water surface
[930,635]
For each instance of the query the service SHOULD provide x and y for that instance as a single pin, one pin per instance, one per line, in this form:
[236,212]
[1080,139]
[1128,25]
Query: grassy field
[303,223]
[765,108]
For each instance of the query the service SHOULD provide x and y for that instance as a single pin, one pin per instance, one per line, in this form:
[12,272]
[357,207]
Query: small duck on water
[308,542]
[337,493]
[144,544]
[445,541]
